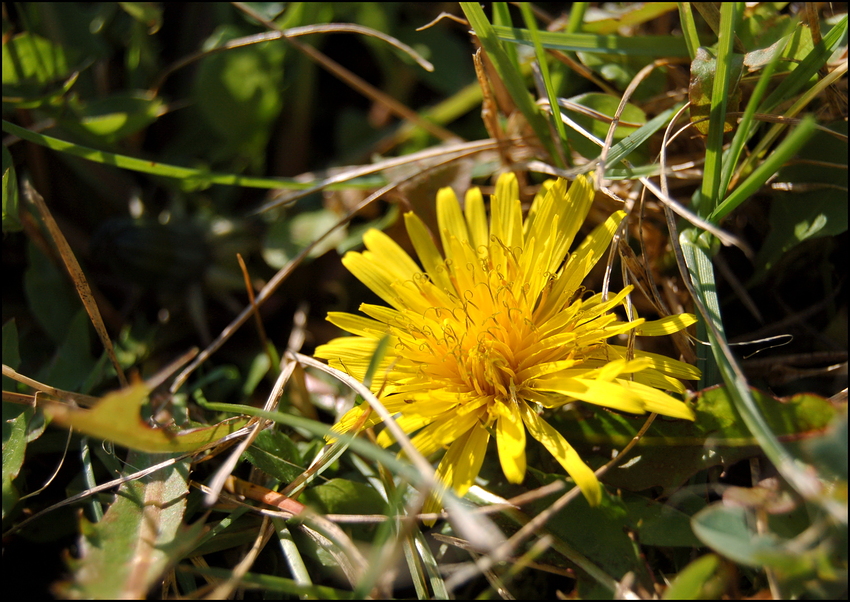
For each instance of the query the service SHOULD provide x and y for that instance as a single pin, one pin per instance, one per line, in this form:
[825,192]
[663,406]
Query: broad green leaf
[674,450]
[239,93]
[621,69]
[116,116]
[607,544]
[800,563]
[703,68]
[703,579]
[731,531]
[657,523]
[815,204]
[73,362]
[276,454]
[340,496]
[117,418]
[50,295]
[139,537]
[29,59]
[286,238]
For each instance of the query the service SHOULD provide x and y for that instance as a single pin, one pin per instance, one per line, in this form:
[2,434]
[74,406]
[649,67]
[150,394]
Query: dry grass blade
[77,276]
[83,400]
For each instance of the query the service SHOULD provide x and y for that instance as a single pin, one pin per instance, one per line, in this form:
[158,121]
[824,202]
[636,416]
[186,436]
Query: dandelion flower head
[497,328]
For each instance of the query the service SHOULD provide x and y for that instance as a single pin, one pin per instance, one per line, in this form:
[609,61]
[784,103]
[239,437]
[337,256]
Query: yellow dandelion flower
[495,329]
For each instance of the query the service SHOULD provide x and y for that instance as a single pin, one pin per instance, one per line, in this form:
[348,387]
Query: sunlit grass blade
[709,191]
[512,78]
[654,46]
[745,126]
[771,165]
[808,67]
[689,28]
[547,81]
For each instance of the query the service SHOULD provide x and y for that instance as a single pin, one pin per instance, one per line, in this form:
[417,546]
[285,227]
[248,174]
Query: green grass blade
[787,149]
[624,147]
[689,28]
[547,81]
[511,76]
[697,255]
[193,178]
[650,46]
[799,77]
[746,127]
[710,189]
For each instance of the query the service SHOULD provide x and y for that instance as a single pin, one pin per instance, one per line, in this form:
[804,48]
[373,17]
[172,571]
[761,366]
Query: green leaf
[731,531]
[189,178]
[703,579]
[607,544]
[340,496]
[116,116]
[627,15]
[15,419]
[815,204]
[50,296]
[11,221]
[287,237]
[659,524]
[672,451]
[276,454]
[117,418]
[239,93]
[30,61]
[73,362]
[703,68]
[140,535]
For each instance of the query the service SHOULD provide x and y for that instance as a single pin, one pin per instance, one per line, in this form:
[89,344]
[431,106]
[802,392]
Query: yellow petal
[506,212]
[573,211]
[599,392]
[443,431]
[377,279]
[450,218]
[357,324]
[594,246]
[392,256]
[664,364]
[510,440]
[426,250]
[463,460]
[564,453]
[658,401]
[666,325]
[476,218]
[459,466]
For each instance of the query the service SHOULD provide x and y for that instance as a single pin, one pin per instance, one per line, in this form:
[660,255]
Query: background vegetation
[149,145]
